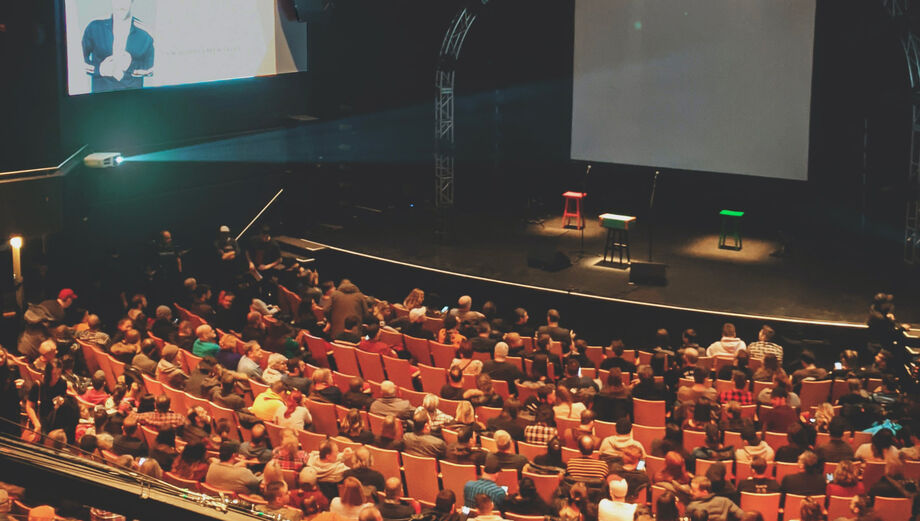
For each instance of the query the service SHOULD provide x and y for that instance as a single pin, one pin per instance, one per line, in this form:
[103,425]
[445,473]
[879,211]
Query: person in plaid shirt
[289,455]
[541,431]
[162,418]
[740,393]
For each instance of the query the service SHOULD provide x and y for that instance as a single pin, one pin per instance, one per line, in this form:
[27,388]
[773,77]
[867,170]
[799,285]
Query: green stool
[731,228]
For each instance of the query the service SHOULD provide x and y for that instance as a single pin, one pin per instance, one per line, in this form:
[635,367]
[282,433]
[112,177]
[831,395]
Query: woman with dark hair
[702,415]
[810,510]
[464,359]
[352,427]
[164,449]
[673,441]
[675,470]
[526,502]
[566,406]
[487,396]
[192,463]
[714,449]
[450,334]
[666,508]
[551,461]
[445,507]
[614,400]
[769,368]
[880,448]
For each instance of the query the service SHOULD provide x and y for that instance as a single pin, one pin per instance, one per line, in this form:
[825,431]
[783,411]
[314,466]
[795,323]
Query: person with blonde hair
[847,482]
[465,416]
[415,299]
[289,455]
[351,500]
[436,417]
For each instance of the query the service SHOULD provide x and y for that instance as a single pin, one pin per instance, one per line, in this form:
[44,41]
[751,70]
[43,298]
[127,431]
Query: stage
[813,281]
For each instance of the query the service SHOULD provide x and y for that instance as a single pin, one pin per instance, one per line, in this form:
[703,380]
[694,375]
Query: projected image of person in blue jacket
[118,51]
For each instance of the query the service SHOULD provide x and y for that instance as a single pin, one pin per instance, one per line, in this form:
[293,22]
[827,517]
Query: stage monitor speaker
[545,256]
[653,273]
[313,10]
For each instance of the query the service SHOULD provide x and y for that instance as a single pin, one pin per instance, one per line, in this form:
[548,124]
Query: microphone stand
[651,214]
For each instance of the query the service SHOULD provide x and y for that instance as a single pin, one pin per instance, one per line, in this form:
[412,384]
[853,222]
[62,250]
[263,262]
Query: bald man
[392,508]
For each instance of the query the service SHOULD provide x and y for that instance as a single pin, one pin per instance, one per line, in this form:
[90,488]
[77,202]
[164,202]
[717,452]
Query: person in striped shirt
[585,468]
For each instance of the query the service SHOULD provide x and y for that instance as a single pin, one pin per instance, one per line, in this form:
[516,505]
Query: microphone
[589,168]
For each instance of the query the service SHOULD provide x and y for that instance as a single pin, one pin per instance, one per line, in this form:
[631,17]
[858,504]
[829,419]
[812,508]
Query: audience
[604,481]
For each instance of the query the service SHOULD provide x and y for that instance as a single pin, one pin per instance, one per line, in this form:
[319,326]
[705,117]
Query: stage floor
[814,281]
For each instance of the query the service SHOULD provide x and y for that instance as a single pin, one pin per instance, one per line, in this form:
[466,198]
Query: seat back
[784,469]
[415,398]
[257,388]
[484,414]
[176,400]
[653,465]
[418,348]
[398,371]
[324,421]
[105,362]
[289,302]
[442,354]
[530,450]
[89,355]
[274,433]
[524,392]
[814,392]
[872,472]
[153,386]
[702,465]
[724,385]
[721,361]
[433,378]
[194,401]
[391,338]
[342,381]
[371,366]
[760,386]
[775,439]
[595,354]
[218,413]
[346,360]
[645,435]
[319,349]
[766,504]
[433,324]
[893,508]
[693,439]
[605,429]
[792,507]
[501,388]
[448,406]
[546,484]
[508,478]
[423,484]
[376,422]
[310,441]
[733,439]
[455,476]
[648,412]
[188,484]
[838,507]
[189,361]
[216,492]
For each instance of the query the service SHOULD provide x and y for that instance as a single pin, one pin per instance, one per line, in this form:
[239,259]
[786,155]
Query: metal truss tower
[899,10]
[444,144]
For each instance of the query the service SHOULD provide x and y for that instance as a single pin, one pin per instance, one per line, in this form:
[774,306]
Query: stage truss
[899,10]
[445,77]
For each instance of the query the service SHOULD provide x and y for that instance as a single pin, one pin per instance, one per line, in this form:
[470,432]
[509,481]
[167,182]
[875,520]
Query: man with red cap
[58,308]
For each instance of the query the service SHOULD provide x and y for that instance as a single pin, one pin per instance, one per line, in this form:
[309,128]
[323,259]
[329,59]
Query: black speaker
[313,10]
[544,255]
[652,273]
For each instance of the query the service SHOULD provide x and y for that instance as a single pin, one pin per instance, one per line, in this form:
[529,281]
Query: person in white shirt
[616,509]
[728,345]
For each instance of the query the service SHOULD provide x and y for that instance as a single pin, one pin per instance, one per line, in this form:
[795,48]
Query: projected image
[118,50]
[131,44]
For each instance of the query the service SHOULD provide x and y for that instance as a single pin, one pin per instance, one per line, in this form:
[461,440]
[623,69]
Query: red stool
[567,214]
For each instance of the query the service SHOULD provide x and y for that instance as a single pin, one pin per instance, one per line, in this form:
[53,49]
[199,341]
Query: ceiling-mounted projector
[103,160]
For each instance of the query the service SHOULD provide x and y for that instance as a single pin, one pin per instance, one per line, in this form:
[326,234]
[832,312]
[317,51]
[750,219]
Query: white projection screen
[709,85]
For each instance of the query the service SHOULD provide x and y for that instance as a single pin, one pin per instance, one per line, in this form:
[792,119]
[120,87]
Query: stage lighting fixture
[16,242]
[103,160]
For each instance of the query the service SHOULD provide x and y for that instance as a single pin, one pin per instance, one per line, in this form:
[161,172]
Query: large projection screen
[709,85]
